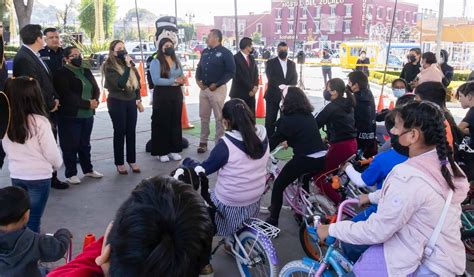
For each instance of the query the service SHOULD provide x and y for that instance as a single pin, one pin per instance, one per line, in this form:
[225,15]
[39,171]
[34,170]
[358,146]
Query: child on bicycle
[338,117]
[410,204]
[465,95]
[21,248]
[298,129]
[240,158]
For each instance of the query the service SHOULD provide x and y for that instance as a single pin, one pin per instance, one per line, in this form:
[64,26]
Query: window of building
[332,26]
[379,13]
[304,12]
[333,10]
[399,16]
[367,28]
[347,26]
[317,25]
[259,28]
[303,27]
[291,27]
[278,13]
[278,28]
[369,12]
[318,12]
[348,10]
[389,13]
[241,29]
[414,17]
[292,12]
[407,17]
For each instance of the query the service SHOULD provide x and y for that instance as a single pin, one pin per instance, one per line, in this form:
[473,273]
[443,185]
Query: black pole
[236,24]
[295,28]
[389,46]
[139,32]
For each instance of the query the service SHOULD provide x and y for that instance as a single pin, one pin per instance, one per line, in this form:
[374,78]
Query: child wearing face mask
[338,119]
[167,75]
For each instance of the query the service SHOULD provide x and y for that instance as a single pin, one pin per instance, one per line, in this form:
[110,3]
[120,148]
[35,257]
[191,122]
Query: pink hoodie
[430,74]
[409,207]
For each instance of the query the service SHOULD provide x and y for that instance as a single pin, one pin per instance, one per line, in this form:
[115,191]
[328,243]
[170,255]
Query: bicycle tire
[301,269]
[466,234]
[263,252]
[313,251]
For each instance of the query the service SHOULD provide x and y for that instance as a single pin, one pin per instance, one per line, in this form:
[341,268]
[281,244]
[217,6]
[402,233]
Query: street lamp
[190,17]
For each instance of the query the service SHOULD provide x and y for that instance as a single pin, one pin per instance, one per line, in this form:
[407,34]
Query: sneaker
[207,271]
[163,159]
[56,184]
[175,156]
[94,174]
[73,180]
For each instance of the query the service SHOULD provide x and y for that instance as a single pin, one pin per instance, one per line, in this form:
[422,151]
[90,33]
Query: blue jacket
[216,66]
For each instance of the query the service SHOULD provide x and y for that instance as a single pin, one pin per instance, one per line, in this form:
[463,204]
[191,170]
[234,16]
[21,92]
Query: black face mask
[412,58]
[169,51]
[327,95]
[403,150]
[282,54]
[77,61]
[121,54]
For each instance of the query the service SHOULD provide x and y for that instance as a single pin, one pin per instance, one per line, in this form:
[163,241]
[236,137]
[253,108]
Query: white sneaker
[163,159]
[175,156]
[94,174]
[73,180]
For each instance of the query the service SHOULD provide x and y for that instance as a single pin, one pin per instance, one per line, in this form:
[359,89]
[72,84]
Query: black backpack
[148,74]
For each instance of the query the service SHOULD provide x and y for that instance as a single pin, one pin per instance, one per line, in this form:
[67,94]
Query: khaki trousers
[211,101]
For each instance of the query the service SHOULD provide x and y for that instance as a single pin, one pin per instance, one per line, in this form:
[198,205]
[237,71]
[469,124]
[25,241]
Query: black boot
[56,183]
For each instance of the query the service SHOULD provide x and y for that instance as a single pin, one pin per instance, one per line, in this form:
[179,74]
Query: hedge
[459,75]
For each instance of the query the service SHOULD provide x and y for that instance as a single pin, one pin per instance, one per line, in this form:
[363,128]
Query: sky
[205,10]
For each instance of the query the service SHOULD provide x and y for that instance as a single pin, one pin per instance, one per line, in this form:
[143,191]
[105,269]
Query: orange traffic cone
[380,105]
[143,86]
[189,73]
[88,239]
[260,82]
[260,113]
[186,93]
[103,99]
[392,105]
[184,118]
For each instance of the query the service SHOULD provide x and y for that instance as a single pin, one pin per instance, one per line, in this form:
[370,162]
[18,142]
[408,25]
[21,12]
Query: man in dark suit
[280,71]
[28,62]
[245,82]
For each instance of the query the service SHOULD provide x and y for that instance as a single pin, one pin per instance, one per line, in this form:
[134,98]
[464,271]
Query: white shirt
[284,66]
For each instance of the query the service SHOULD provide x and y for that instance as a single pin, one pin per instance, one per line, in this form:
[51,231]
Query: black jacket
[69,89]
[27,64]
[53,59]
[338,116]
[364,112]
[21,250]
[409,73]
[448,72]
[276,78]
[363,68]
[301,131]
[246,77]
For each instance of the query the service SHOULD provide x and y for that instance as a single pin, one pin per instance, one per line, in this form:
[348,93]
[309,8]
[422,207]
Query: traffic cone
[260,79]
[260,113]
[186,93]
[392,105]
[88,239]
[143,86]
[189,73]
[103,99]
[380,105]
[184,118]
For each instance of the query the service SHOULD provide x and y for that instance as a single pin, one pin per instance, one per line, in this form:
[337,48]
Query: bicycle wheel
[467,220]
[262,257]
[311,248]
[299,268]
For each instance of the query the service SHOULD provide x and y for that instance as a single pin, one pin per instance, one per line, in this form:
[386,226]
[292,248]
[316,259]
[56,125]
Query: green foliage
[189,31]
[87,17]
[88,49]
[9,54]
[257,38]
[12,48]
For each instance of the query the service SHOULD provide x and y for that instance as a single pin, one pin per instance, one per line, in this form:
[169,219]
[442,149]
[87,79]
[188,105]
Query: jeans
[124,120]
[38,190]
[327,75]
[74,139]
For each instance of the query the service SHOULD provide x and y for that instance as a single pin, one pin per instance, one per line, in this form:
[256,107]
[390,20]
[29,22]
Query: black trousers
[272,109]
[2,155]
[166,132]
[250,101]
[296,167]
[124,120]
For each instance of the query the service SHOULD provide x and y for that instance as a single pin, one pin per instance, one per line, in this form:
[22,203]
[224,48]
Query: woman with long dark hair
[31,149]
[123,84]
[298,129]
[403,230]
[167,75]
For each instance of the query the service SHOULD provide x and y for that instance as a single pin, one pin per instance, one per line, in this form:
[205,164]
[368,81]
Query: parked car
[97,59]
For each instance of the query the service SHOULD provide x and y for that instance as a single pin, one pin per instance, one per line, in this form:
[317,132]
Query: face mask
[441,60]
[77,61]
[169,51]
[121,54]
[412,59]
[282,54]
[398,92]
[403,150]
[327,95]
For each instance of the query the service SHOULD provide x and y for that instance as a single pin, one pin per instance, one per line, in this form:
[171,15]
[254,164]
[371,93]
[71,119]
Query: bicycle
[252,248]
[333,257]
[467,230]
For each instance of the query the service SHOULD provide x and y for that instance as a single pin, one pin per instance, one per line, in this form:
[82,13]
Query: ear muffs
[4,114]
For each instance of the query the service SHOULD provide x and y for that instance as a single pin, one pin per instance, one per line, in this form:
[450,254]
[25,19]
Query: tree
[145,15]
[63,15]
[87,17]
[99,21]
[23,11]
[189,31]
[257,38]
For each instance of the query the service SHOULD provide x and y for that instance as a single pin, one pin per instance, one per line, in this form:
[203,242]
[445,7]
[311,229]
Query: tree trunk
[99,21]
[23,12]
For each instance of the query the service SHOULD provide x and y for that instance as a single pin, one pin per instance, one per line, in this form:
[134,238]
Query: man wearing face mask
[245,82]
[412,68]
[280,71]
[79,93]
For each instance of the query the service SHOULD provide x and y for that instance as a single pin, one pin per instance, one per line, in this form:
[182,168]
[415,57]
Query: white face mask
[398,92]
[441,60]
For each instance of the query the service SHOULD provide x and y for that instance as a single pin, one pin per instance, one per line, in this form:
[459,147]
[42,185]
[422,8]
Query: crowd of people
[419,170]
